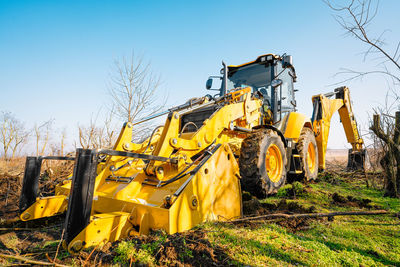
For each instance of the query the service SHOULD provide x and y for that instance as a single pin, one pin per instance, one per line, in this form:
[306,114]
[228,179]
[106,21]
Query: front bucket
[207,189]
[356,160]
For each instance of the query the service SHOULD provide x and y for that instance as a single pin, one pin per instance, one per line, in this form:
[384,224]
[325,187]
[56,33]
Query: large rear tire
[262,163]
[307,148]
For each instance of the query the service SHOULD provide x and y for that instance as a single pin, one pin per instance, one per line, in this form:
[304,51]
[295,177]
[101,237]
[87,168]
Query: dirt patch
[31,243]
[191,249]
[10,186]
[254,207]
[350,201]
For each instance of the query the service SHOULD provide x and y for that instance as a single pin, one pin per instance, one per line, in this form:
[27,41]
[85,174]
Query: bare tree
[12,134]
[391,145]
[109,133]
[62,142]
[42,134]
[134,90]
[94,136]
[7,134]
[20,138]
[57,148]
[355,18]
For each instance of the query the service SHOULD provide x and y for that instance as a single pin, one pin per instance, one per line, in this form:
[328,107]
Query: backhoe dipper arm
[323,110]
[348,120]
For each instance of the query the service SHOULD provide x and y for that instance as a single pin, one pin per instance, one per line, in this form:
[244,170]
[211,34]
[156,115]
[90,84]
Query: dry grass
[14,167]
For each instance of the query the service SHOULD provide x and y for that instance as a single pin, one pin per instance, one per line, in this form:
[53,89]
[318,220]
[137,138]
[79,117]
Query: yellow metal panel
[45,207]
[215,189]
[212,127]
[158,218]
[102,228]
[293,124]
[349,122]
[321,127]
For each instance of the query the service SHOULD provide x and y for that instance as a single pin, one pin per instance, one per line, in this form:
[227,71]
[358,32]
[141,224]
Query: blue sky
[56,56]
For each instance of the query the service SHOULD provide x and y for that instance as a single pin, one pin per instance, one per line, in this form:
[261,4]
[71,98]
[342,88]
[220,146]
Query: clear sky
[56,56]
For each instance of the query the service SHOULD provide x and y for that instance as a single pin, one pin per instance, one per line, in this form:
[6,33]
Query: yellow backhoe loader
[192,169]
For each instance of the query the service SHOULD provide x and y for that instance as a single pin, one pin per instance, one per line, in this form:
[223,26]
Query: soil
[350,201]
[10,186]
[254,207]
[190,248]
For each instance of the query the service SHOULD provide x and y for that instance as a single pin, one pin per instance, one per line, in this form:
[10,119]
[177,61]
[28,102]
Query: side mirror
[276,83]
[287,61]
[209,83]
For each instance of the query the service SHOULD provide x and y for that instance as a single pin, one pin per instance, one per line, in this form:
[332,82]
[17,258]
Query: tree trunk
[391,160]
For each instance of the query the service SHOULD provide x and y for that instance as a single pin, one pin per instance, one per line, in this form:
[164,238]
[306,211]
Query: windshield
[256,76]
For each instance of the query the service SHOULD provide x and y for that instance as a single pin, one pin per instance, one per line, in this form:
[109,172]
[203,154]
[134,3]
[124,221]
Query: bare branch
[355,20]
[12,134]
[42,135]
[134,90]
[94,136]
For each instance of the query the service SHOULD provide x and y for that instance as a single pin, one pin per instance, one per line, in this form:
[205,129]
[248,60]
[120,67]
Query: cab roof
[255,61]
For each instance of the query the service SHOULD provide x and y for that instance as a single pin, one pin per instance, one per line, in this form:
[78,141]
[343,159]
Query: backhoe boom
[323,110]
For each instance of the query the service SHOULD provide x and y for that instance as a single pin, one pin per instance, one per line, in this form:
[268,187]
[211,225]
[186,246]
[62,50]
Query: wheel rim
[311,157]
[274,163]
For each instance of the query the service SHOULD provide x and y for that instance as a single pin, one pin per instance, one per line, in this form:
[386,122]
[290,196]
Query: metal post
[30,185]
[81,196]
[224,86]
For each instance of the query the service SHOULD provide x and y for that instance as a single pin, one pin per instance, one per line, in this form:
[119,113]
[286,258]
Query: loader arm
[323,110]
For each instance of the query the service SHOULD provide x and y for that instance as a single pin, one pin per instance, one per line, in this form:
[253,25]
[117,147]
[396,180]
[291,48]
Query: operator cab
[271,77]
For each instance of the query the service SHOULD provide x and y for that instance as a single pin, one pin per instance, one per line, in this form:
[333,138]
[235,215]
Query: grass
[132,251]
[128,252]
[347,241]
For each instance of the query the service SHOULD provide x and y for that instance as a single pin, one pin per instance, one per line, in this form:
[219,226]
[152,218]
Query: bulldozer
[247,136]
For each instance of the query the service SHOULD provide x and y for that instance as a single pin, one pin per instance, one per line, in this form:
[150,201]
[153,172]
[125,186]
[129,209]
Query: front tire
[262,163]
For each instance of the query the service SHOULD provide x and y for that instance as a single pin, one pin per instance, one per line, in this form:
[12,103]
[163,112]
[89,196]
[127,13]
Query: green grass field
[348,240]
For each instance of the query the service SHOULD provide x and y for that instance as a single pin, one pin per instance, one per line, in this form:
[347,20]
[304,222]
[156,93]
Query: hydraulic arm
[323,110]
